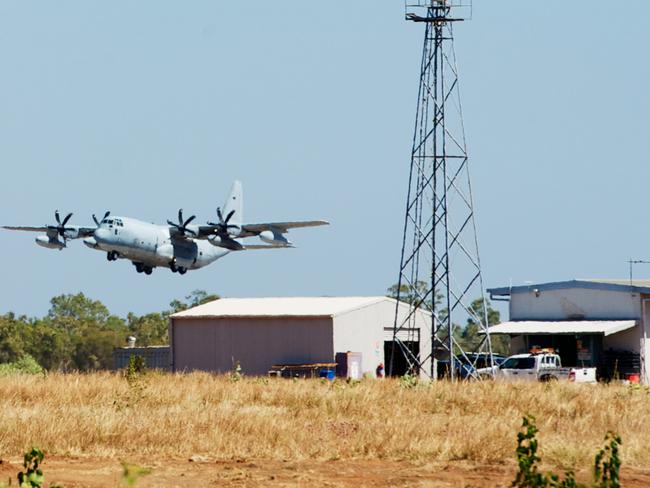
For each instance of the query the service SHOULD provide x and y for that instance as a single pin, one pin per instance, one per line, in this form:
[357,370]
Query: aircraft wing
[72,231]
[255,247]
[254,229]
[248,230]
[29,229]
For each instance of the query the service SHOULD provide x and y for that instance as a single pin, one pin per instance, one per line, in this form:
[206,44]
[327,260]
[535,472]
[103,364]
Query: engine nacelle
[274,237]
[215,241]
[45,241]
[226,243]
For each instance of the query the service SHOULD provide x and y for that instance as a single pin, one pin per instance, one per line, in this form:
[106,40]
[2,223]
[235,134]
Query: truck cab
[542,366]
[532,367]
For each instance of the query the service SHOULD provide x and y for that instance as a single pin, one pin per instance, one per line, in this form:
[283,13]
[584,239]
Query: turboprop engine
[45,241]
[274,237]
[225,242]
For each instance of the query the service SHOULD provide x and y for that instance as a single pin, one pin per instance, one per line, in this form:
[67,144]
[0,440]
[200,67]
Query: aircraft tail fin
[235,201]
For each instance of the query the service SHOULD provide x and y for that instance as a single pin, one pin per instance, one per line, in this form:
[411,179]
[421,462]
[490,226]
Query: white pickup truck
[538,367]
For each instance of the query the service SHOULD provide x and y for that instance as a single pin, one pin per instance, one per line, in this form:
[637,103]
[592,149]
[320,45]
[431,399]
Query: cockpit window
[116,222]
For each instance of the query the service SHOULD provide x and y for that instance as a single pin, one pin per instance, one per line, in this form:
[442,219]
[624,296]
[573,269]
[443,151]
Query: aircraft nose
[101,235]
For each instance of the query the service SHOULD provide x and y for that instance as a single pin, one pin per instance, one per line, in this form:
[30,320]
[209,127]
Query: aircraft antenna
[440,269]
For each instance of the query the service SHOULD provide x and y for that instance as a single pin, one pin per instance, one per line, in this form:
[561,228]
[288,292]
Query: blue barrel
[327,373]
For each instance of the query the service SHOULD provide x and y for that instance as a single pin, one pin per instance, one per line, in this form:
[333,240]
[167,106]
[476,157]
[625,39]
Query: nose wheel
[112,255]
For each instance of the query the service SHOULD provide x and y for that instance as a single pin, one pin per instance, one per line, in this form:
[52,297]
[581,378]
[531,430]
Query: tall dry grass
[200,414]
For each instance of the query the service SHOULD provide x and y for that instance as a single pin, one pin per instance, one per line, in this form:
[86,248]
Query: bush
[25,365]
[606,465]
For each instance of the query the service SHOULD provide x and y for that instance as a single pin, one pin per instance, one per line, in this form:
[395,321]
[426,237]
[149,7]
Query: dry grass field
[263,428]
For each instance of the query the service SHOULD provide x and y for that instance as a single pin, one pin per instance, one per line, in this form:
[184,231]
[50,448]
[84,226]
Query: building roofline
[562,285]
[369,301]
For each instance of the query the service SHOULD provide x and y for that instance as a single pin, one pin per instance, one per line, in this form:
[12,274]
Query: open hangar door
[410,339]
[582,350]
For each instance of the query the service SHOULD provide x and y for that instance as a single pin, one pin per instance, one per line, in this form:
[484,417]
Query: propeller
[182,225]
[97,222]
[223,225]
[60,226]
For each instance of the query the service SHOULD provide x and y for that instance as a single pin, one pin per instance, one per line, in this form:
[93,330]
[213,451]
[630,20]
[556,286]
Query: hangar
[259,333]
[596,323]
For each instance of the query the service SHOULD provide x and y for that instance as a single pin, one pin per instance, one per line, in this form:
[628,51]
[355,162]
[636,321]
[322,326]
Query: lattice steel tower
[440,270]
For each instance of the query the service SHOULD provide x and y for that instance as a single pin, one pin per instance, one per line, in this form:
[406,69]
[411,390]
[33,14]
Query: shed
[259,333]
[592,322]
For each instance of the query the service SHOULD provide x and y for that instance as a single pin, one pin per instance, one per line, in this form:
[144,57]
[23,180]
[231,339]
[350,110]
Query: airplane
[180,246]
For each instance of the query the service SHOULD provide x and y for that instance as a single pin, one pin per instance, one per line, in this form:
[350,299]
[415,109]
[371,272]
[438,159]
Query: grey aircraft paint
[181,246]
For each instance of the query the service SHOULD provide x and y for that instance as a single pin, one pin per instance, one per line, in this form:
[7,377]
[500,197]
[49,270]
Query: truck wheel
[547,378]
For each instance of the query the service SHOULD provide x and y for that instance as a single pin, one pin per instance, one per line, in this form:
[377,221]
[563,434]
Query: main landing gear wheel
[139,267]
[173,267]
[111,255]
[148,270]
[182,271]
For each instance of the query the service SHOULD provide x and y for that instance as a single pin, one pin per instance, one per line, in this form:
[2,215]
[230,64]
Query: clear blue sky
[144,107]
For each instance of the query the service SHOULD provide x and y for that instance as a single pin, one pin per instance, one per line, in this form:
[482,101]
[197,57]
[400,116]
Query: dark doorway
[400,365]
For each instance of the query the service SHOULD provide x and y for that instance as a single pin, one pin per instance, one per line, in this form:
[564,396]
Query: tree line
[79,333]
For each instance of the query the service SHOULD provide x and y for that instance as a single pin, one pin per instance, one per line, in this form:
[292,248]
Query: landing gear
[142,268]
[175,268]
[112,255]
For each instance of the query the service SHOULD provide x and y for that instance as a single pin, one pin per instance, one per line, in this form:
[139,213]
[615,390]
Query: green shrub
[135,369]
[409,381]
[25,365]
[33,476]
[236,373]
[131,473]
[606,465]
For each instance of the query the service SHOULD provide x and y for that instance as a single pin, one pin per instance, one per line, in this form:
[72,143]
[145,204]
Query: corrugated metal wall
[364,330]
[215,344]
[157,357]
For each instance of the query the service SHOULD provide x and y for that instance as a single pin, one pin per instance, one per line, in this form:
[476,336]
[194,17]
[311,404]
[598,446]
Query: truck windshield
[519,363]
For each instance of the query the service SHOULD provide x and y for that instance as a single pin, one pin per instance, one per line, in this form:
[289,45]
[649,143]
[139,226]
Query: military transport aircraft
[179,246]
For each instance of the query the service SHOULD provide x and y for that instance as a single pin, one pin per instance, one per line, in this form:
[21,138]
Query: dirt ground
[198,471]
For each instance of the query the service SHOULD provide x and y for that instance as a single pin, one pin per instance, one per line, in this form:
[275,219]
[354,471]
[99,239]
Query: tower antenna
[440,269]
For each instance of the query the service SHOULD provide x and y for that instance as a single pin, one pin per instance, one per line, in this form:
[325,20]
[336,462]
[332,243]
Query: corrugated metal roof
[636,286]
[280,307]
[606,327]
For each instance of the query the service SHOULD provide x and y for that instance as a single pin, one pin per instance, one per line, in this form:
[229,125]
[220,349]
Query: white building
[603,323]
[262,332]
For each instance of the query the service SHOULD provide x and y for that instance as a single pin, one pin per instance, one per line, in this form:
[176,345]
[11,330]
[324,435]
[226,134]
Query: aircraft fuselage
[149,245]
